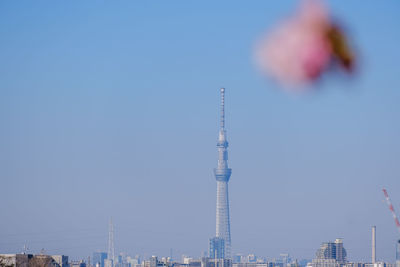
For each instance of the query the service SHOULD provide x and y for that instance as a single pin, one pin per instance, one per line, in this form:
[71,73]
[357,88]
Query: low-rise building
[22,260]
[208,262]
[80,263]
[28,260]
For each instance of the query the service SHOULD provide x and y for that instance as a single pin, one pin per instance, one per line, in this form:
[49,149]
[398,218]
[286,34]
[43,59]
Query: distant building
[303,262]
[154,262]
[98,258]
[61,260]
[251,258]
[333,250]
[355,264]
[252,261]
[132,262]
[15,259]
[80,263]
[251,264]
[187,262]
[26,260]
[108,263]
[333,254]
[209,262]
[120,261]
[330,254]
[285,259]
[376,264]
[237,258]
[186,259]
[217,248]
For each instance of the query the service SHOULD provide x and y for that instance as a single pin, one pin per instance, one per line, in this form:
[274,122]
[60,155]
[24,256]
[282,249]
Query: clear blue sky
[111,109]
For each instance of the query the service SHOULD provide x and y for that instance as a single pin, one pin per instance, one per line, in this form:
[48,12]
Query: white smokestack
[373,244]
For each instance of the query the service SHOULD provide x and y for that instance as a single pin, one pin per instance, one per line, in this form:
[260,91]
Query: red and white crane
[396,219]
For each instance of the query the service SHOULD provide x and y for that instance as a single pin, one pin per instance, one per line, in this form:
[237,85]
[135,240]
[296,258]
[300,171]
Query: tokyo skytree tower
[222,175]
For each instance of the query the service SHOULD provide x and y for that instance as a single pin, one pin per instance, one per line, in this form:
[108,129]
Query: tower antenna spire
[222,108]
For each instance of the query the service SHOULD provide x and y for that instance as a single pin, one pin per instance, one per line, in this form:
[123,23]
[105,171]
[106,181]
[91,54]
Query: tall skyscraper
[222,175]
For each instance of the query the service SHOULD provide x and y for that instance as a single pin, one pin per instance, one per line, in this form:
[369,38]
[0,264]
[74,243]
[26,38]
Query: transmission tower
[111,250]
[221,244]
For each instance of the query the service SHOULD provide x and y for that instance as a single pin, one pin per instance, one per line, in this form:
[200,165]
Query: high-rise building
[98,258]
[217,248]
[330,254]
[222,174]
[332,250]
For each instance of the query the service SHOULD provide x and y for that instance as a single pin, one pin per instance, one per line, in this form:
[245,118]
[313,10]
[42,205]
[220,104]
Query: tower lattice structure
[222,175]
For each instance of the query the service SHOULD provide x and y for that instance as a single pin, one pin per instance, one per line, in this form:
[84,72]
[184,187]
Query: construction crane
[396,220]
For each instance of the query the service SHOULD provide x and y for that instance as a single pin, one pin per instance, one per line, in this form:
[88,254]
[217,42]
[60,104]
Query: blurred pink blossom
[299,50]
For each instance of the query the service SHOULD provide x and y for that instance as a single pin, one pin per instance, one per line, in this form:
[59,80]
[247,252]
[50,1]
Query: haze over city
[111,110]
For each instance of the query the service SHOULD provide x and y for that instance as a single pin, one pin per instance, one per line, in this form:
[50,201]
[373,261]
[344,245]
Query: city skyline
[110,110]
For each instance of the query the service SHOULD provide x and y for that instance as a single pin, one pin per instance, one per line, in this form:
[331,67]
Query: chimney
[373,244]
